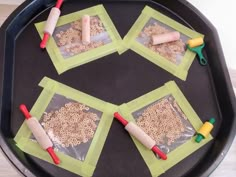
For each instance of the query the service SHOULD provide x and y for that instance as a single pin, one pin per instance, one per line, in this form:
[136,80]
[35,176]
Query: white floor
[222,15]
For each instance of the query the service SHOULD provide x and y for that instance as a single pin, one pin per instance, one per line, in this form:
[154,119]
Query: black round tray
[116,79]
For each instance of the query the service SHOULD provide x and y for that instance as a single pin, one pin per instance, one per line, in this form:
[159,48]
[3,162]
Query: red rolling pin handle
[161,154]
[59,3]
[25,111]
[54,157]
[120,118]
[43,44]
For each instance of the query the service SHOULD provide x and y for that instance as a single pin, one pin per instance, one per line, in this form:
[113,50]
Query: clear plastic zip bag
[168,118]
[66,48]
[171,56]
[76,123]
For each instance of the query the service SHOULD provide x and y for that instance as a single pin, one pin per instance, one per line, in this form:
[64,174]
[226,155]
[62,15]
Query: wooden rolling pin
[39,133]
[140,135]
[51,23]
[86,29]
[166,37]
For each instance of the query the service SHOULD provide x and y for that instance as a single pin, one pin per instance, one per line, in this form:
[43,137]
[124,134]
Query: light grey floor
[226,169]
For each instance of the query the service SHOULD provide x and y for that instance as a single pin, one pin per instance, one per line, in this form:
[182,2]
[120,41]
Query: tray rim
[6,150]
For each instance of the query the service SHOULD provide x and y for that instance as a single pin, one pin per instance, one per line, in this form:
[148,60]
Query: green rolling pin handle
[202,59]
[198,51]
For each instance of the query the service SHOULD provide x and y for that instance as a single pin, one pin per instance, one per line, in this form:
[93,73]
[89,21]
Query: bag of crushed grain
[167,117]
[66,48]
[76,123]
[171,56]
